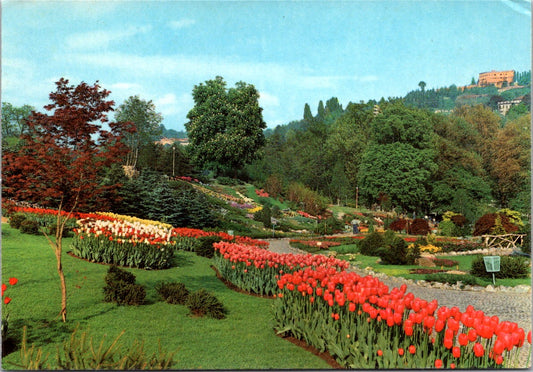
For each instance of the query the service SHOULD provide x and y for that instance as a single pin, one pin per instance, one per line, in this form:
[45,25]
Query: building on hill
[505,106]
[496,78]
[170,141]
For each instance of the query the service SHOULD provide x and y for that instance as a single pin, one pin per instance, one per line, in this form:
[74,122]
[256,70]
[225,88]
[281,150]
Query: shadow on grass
[180,260]
[38,331]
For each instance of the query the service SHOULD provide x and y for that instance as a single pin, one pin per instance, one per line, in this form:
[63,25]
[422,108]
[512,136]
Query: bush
[418,226]
[445,262]
[488,222]
[173,293]
[228,181]
[395,252]
[29,227]
[511,267]
[204,246]
[203,303]
[370,245]
[16,219]
[459,220]
[526,242]
[447,228]
[452,279]
[329,226]
[397,225]
[121,288]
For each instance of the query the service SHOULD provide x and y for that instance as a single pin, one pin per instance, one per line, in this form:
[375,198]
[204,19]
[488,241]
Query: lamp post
[173,159]
[356,196]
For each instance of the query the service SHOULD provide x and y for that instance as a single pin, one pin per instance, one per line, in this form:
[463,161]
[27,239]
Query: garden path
[510,306]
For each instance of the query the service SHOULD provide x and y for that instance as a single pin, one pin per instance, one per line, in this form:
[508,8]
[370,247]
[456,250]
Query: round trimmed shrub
[16,220]
[418,226]
[490,221]
[397,225]
[370,245]
[203,303]
[29,227]
[394,253]
[173,293]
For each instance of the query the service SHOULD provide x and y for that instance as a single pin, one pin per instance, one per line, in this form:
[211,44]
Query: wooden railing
[502,241]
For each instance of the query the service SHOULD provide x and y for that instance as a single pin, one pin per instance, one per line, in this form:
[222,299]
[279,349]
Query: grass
[250,192]
[244,340]
[465,263]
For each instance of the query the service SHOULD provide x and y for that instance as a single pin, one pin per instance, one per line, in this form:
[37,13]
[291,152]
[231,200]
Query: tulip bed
[257,270]
[124,243]
[363,324]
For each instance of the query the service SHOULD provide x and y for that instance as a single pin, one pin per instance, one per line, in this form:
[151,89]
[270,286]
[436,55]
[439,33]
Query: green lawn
[465,263]
[244,340]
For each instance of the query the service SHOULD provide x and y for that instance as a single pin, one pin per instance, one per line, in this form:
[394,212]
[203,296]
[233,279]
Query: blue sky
[293,52]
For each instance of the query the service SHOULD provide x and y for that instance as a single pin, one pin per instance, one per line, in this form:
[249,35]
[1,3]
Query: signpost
[492,265]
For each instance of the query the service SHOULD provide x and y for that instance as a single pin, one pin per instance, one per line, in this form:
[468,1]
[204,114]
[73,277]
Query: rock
[425,262]
[490,288]
[522,288]
[468,287]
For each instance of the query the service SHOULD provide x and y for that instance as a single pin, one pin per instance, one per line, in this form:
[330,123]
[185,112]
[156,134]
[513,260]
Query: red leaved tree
[62,157]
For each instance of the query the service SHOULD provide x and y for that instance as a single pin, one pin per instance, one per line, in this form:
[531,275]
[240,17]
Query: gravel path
[514,307]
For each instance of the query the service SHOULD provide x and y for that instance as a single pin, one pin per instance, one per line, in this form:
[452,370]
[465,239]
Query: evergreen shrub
[394,252]
[203,303]
[121,288]
[370,245]
[173,293]
[204,246]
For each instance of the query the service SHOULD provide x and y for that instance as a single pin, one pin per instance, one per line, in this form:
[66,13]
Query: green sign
[492,263]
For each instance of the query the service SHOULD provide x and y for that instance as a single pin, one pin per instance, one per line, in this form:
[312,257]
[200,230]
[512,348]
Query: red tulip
[452,366]
[412,349]
[529,337]
[472,335]
[479,351]
[448,343]
[400,351]
[438,363]
[4,287]
[13,281]
[7,300]
[499,346]
[456,351]
[380,353]
[463,339]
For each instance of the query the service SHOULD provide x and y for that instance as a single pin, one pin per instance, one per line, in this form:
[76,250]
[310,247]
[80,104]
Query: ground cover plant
[198,343]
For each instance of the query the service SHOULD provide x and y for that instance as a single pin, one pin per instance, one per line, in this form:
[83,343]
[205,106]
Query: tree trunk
[63,311]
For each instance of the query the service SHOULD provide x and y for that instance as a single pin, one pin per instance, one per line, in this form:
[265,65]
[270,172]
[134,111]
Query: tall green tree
[14,119]
[399,162]
[225,126]
[147,121]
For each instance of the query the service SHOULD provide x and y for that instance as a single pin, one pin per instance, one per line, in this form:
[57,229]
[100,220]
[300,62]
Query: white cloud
[102,39]
[169,104]
[182,23]
[268,100]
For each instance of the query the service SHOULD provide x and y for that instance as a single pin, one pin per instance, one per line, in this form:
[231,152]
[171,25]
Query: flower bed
[123,243]
[363,324]
[257,270]
[314,243]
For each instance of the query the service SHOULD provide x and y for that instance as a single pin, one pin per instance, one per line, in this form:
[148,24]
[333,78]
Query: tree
[399,171]
[63,158]
[225,127]
[422,86]
[14,119]
[147,123]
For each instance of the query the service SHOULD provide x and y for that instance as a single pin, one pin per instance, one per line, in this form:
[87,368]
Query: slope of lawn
[244,340]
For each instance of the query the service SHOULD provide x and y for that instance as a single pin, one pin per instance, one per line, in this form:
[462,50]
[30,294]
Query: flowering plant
[6,300]
[363,323]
